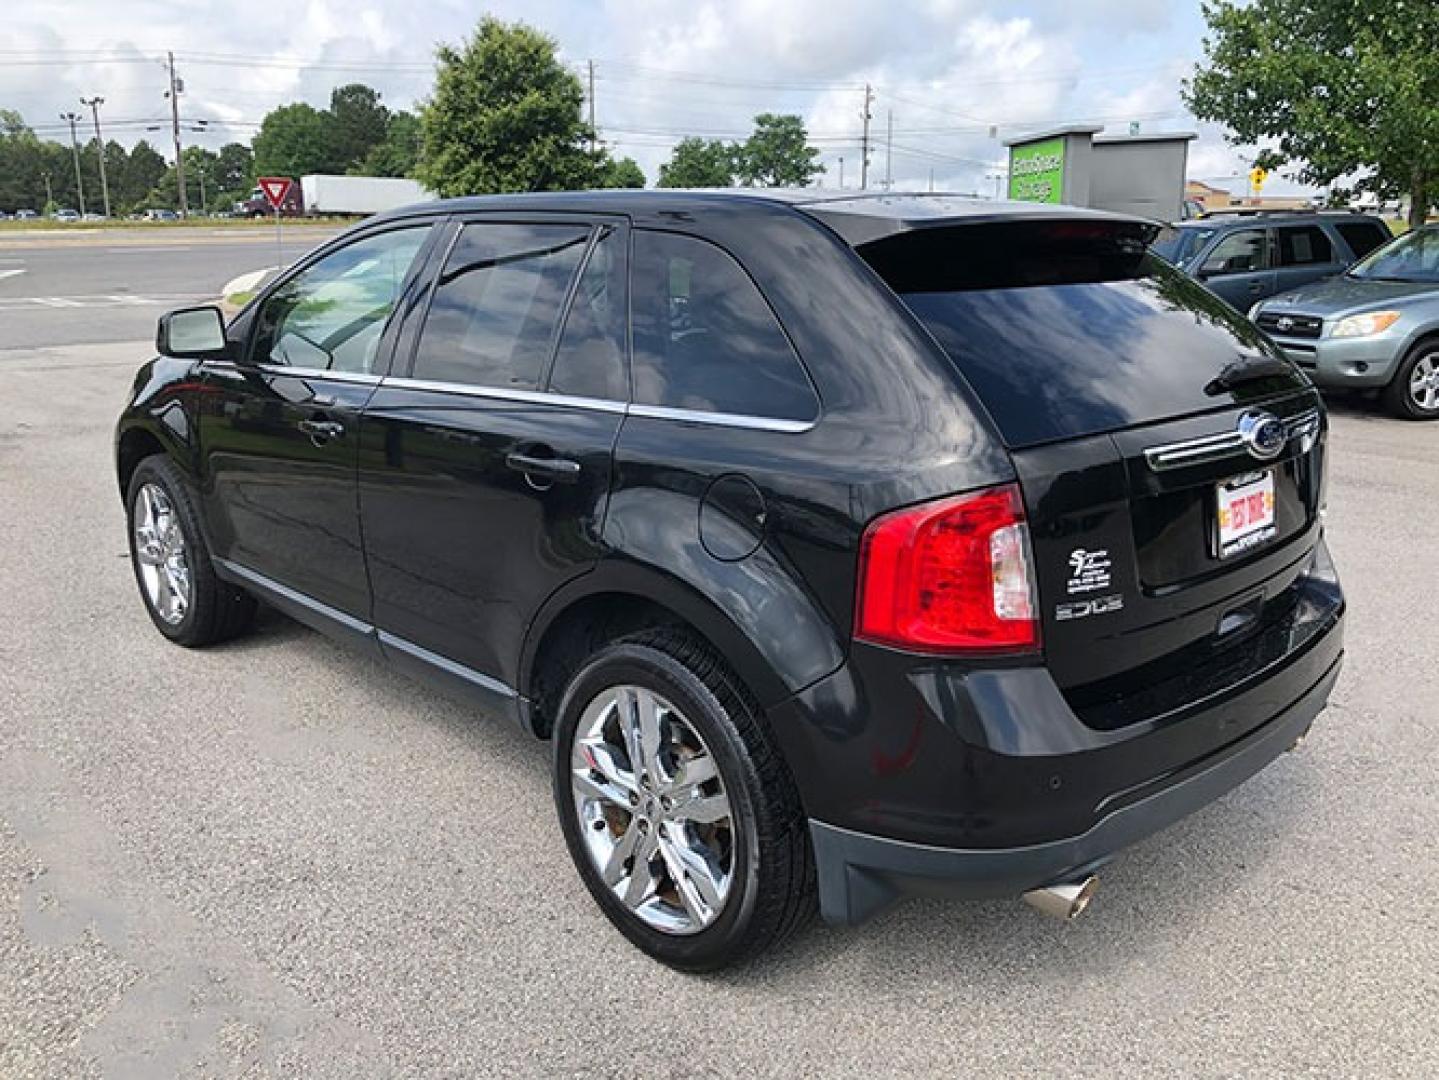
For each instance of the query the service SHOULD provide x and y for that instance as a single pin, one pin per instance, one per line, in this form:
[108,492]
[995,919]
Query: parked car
[92,216]
[66,215]
[154,214]
[835,566]
[26,215]
[1376,327]
[1249,255]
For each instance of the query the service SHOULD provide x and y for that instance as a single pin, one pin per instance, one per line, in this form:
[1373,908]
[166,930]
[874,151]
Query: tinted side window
[1303,245]
[1239,253]
[704,337]
[330,316]
[497,304]
[1363,236]
[590,360]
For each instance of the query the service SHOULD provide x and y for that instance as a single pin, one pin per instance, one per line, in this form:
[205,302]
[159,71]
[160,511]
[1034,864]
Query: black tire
[1397,397]
[772,891]
[217,611]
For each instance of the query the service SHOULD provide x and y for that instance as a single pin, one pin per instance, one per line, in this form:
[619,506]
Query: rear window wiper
[1250,368]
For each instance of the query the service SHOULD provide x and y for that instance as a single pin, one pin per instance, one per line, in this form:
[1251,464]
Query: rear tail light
[950,576]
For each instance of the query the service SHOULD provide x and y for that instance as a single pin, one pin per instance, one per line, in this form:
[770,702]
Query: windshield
[1412,257]
[1178,246]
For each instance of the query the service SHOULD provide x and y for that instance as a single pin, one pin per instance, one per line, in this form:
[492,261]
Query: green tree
[624,173]
[398,153]
[358,121]
[1339,88]
[295,140]
[142,172]
[699,163]
[777,154]
[505,116]
[235,168]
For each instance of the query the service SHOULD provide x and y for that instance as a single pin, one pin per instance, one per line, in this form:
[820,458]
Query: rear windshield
[1179,245]
[1067,329]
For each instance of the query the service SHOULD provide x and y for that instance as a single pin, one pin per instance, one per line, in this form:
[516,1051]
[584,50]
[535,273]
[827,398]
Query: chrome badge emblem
[1284,324]
[1264,435]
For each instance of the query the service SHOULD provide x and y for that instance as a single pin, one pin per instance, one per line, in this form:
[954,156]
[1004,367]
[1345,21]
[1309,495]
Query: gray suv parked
[1248,256]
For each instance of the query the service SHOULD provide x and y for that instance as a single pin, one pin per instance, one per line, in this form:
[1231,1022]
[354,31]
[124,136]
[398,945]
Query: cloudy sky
[948,72]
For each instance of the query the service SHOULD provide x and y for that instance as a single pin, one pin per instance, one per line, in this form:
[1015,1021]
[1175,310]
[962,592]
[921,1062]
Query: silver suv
[1375,327]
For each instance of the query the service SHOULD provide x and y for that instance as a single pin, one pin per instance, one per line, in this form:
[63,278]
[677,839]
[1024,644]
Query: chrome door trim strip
[734,420]
[284,370]
[450,667]
[528,397]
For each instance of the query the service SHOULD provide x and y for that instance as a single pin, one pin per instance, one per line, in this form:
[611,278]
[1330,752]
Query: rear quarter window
[704,337]
[1363,236]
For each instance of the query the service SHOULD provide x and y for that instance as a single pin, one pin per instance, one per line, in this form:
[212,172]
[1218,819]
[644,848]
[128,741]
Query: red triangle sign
[276,189]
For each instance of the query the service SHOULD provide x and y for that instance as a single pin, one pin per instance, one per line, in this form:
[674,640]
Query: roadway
[52,282]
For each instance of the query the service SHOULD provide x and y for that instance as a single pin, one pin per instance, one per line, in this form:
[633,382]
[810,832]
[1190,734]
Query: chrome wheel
[652,809]
[1424,383]
[161,554]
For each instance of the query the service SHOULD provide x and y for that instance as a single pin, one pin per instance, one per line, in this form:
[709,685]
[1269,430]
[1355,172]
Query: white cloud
[947,69]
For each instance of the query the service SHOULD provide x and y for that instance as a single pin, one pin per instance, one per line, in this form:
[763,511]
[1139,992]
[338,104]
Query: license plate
[1246,512]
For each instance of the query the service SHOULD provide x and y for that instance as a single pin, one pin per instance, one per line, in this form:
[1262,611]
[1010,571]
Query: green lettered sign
[1036,171]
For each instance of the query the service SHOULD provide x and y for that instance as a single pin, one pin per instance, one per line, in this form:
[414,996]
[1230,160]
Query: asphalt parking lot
[275,858]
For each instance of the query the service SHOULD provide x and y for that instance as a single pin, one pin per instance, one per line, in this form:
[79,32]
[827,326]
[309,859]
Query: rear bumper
[859,873]
[927,775]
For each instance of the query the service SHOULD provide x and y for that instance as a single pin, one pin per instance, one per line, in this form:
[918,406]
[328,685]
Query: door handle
[321,430]
[555,470]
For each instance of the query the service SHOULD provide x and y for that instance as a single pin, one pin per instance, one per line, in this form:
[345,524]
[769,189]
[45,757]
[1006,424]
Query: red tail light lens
[950,576]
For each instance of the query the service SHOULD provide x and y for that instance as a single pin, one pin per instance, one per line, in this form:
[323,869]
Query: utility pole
[889,150]
[177,87]
[931,179]
[95,103]
[593,133]
[864,141]
[74,118]
[841,173]
[49,195]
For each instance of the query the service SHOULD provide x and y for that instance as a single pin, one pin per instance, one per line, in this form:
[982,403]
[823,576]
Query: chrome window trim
[1209,448]
[539,397]
[492,393]
[734,420]
[357,377]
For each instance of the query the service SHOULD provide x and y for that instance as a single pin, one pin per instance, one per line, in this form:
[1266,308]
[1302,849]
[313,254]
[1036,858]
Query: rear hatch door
[1171,459]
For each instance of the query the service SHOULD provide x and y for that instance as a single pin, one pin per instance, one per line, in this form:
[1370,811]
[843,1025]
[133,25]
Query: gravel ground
[278,859]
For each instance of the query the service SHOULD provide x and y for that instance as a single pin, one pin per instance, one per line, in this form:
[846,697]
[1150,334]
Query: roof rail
[1261,211]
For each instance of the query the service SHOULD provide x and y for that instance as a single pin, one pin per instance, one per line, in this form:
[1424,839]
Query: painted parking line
[11,273]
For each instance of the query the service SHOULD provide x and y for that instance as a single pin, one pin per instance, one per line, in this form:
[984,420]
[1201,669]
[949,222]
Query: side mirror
[191,334]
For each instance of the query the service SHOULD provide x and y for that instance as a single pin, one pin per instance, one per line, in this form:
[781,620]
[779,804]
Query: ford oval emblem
[1264,435]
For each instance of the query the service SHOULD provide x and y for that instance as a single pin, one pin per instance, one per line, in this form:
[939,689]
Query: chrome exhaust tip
[1063,902]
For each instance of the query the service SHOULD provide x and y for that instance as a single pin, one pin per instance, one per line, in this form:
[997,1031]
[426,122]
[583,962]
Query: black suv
[844,546]
[1245,256]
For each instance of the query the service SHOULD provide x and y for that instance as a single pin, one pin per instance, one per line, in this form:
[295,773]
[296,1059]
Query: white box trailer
[359,194]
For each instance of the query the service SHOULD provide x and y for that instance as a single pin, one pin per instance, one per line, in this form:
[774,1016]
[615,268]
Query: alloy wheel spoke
[600,756]
[693,873]
[703,810]
[614,870]
[642,882]
[694,773]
